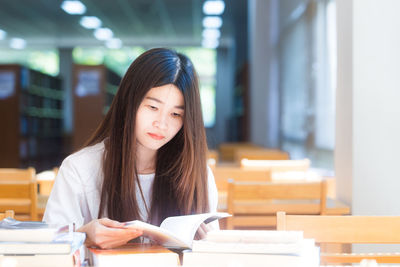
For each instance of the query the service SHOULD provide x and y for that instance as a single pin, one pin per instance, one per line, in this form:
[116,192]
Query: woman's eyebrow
[161,102]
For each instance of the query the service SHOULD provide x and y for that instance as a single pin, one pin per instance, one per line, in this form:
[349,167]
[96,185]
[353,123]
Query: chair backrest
[260,154]
[256,203]
[346,229]
[18,191]
[223,174]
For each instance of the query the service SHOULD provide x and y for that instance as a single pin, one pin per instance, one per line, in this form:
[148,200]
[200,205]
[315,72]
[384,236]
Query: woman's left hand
[105,233]
[202,231]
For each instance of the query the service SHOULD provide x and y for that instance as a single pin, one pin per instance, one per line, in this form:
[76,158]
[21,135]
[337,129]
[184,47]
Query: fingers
[111,223]
[207,227]
[112,237]
[116,237]
[202,231]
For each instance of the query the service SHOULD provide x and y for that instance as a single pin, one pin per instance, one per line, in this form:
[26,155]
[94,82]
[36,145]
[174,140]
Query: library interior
[299,101]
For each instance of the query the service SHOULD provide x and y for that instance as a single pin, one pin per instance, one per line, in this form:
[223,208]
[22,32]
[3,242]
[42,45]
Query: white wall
[368,108]
[376,107]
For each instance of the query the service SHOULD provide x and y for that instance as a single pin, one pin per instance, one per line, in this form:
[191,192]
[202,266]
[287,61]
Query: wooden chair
[45,182]
[346,230]
[254,204]
[223,174]
[7,214]
[260,154]
[18,191]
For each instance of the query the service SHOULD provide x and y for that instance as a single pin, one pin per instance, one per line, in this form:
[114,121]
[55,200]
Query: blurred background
[61,99]
[315,79]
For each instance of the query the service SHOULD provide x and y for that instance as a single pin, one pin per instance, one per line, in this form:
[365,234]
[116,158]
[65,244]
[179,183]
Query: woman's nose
[161,122]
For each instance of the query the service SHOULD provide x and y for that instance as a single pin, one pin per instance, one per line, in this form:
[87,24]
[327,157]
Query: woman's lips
[156,136]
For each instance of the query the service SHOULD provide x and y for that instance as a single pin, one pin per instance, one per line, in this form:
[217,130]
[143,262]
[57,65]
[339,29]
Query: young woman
[147,159]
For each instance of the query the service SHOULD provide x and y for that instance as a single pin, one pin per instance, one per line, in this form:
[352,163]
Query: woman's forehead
[166,94]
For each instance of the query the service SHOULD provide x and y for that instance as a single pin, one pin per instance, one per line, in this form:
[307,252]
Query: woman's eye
[177,115]
[152,107]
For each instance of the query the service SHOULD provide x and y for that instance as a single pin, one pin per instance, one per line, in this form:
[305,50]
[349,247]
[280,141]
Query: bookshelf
[94,87]
[31,108]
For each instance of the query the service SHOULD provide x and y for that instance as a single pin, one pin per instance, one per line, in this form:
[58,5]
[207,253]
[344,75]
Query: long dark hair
[180,184]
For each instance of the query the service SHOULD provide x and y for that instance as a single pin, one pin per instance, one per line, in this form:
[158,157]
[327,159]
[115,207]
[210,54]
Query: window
[44,60]
[307,51]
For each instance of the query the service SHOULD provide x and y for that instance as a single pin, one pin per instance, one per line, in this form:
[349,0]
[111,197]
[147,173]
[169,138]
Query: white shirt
[75,197]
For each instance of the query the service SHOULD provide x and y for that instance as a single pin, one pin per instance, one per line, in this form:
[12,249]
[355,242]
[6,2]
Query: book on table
[12,230]
[253,248]
[42,260]
[63,244]
[39,244]
[134,254]
[251,241]
[177,231]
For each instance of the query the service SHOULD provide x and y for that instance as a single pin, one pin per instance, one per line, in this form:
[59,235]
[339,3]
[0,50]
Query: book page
[158,235]
[186,226]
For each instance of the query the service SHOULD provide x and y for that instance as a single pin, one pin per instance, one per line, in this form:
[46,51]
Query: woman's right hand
[106,233]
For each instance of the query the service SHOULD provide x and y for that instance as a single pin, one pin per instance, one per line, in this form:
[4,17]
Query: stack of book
[39,244]
[131,254]
[253,248]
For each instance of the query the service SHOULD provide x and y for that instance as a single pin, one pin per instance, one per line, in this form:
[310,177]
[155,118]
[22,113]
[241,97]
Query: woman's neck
[145,160]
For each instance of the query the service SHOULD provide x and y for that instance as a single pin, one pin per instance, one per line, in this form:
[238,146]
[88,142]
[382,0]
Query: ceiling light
[211,33]
[212,22]
[90,22]
[103,33]
[114,43]
[210,43]
[17,43]
[213,7]
[73,7]
[3,34]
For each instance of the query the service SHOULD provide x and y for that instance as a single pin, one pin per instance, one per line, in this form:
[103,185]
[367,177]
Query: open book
[176,231]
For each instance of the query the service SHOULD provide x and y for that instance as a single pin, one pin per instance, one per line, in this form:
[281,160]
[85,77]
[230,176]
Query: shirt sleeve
[65,201]
[212,191]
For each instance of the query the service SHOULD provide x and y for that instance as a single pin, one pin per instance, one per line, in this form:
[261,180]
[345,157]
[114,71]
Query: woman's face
[159,117]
